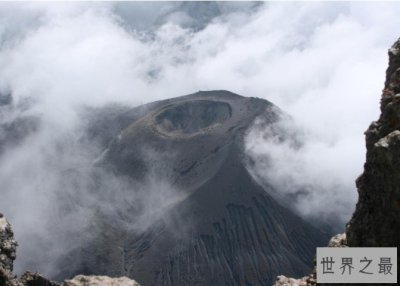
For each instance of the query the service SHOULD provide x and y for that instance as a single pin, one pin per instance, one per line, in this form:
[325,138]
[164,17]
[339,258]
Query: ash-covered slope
[220,227]
[14,125]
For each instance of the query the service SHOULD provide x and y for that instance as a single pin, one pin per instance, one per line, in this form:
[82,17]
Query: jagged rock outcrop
[376,220]
[339,240]
[7,251]
[8,248]
[33,279]
[7,245]
[82,280]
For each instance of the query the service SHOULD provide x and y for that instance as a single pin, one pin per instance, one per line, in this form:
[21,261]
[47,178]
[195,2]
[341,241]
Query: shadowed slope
[220,227]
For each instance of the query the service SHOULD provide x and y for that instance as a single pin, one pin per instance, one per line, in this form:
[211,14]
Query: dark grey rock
[7,245]
[376,220]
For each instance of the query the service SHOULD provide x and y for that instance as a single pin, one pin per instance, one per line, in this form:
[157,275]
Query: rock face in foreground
[8,254]
[376,220]
[7,245]
[82,280]
[7,250]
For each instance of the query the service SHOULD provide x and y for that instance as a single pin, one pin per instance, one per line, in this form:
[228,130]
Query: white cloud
[323,63]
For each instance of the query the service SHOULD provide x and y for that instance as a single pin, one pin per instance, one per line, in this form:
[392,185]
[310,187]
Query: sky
[323,63]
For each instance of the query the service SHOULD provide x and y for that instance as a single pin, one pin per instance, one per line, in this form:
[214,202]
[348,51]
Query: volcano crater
[192,117]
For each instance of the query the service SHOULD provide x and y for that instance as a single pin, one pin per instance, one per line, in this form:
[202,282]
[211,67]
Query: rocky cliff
[7,250]
[376,220]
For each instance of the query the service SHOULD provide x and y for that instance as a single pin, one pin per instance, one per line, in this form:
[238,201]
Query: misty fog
[321,63]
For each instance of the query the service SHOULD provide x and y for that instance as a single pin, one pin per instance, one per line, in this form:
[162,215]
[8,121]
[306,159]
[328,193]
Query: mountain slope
[219,227]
